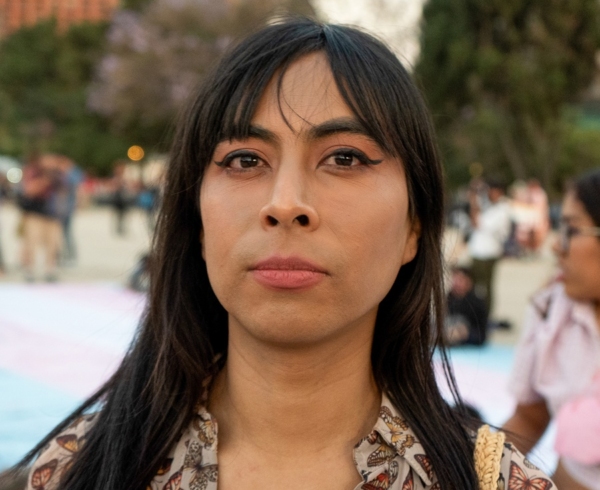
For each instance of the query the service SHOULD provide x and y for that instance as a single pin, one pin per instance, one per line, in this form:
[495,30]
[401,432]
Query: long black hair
[150,399]
[587,190]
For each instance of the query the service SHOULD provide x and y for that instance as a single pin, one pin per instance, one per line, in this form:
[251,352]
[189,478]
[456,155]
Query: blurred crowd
[51,189]
[494,222]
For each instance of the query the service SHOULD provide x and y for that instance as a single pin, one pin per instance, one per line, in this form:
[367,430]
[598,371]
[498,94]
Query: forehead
[304,95]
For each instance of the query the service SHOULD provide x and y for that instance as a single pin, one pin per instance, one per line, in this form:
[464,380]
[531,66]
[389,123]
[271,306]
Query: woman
[296,282]
[558,358]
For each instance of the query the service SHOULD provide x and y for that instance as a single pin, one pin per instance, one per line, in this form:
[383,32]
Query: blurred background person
[531,213]
[491,224]
[467,316]
[558,357]
[41,227]
[121,201]
[67,200]
[523,218]
[148,200]
[538,200]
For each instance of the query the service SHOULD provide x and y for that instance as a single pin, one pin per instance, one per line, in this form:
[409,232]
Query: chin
[278,324]
[291,335]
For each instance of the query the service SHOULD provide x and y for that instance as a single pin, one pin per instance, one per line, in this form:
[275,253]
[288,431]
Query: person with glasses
[557,363]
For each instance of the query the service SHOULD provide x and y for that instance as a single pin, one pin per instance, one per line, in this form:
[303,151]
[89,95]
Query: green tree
[134,4]
[157,56]
[44,78]
[500,75]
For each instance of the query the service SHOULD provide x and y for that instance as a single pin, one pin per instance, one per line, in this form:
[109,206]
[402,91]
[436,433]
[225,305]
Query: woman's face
[305,223]
[580,265]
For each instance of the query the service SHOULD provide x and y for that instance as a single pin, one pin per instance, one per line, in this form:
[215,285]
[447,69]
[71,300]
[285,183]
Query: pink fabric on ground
[77,368]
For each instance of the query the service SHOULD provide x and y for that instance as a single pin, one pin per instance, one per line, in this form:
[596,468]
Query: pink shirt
[557,359]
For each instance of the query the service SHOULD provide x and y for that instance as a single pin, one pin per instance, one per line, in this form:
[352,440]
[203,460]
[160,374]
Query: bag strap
[488,453]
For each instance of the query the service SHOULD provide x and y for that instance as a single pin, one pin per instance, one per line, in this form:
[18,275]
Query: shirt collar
[391,437]
[399,440]
[583,314]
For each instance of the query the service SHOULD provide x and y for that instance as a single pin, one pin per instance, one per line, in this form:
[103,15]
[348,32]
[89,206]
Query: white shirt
[492,230]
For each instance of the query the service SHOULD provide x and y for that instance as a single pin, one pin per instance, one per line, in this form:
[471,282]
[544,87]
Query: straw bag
[488,453]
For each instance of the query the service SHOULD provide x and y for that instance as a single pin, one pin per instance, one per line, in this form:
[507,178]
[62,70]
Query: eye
[349,157]
[241,160]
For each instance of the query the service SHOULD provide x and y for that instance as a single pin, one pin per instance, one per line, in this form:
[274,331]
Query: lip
[287,273]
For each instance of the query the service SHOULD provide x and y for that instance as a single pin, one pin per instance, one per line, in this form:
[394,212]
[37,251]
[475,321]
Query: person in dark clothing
[467,315]
[41,185]
[66,203]
[121,201]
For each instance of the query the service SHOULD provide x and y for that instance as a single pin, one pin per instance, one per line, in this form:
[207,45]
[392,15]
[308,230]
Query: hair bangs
[264,59]
[587,188]
[352,64]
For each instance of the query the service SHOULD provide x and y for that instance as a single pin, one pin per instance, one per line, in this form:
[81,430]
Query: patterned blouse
[390,457]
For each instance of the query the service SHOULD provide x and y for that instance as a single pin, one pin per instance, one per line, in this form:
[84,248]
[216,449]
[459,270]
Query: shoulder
[56,457]
[517,472]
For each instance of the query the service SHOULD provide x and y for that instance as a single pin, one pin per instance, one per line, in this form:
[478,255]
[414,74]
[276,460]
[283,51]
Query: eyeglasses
[567,231]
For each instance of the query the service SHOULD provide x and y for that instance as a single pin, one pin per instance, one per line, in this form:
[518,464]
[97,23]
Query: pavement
[59,342]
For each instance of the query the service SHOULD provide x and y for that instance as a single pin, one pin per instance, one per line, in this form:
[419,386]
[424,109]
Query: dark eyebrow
[263,134]
[323,130]
[335,126]
[254,131]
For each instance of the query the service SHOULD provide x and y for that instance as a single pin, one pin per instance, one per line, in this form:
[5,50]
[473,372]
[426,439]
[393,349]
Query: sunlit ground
[58,342]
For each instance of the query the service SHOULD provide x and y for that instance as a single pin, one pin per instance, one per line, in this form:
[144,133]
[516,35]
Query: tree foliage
[43,90]
[95,90]
[155,58]
[134,4]
[500,76]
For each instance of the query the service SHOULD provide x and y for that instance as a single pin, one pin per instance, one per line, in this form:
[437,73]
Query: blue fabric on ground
[28,411]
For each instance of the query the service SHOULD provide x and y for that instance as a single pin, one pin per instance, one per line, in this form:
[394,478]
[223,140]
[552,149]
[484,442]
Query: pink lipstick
[287,273]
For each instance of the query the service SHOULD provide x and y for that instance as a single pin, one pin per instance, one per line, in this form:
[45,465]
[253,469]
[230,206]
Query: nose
[288,204]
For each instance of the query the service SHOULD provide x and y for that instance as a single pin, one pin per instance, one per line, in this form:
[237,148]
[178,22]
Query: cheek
[591,270]
[582,280]
[374,237]
[221,224]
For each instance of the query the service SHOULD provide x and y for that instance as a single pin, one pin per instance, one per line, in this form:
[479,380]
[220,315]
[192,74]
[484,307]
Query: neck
[296,400]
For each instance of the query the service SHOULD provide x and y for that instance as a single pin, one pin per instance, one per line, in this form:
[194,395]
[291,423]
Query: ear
[412,242]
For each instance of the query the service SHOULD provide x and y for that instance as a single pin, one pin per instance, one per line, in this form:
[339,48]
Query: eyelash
[351,152]
[226,162]
[341,152]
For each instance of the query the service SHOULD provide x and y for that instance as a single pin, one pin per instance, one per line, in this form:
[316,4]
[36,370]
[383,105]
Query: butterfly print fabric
[389,458]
